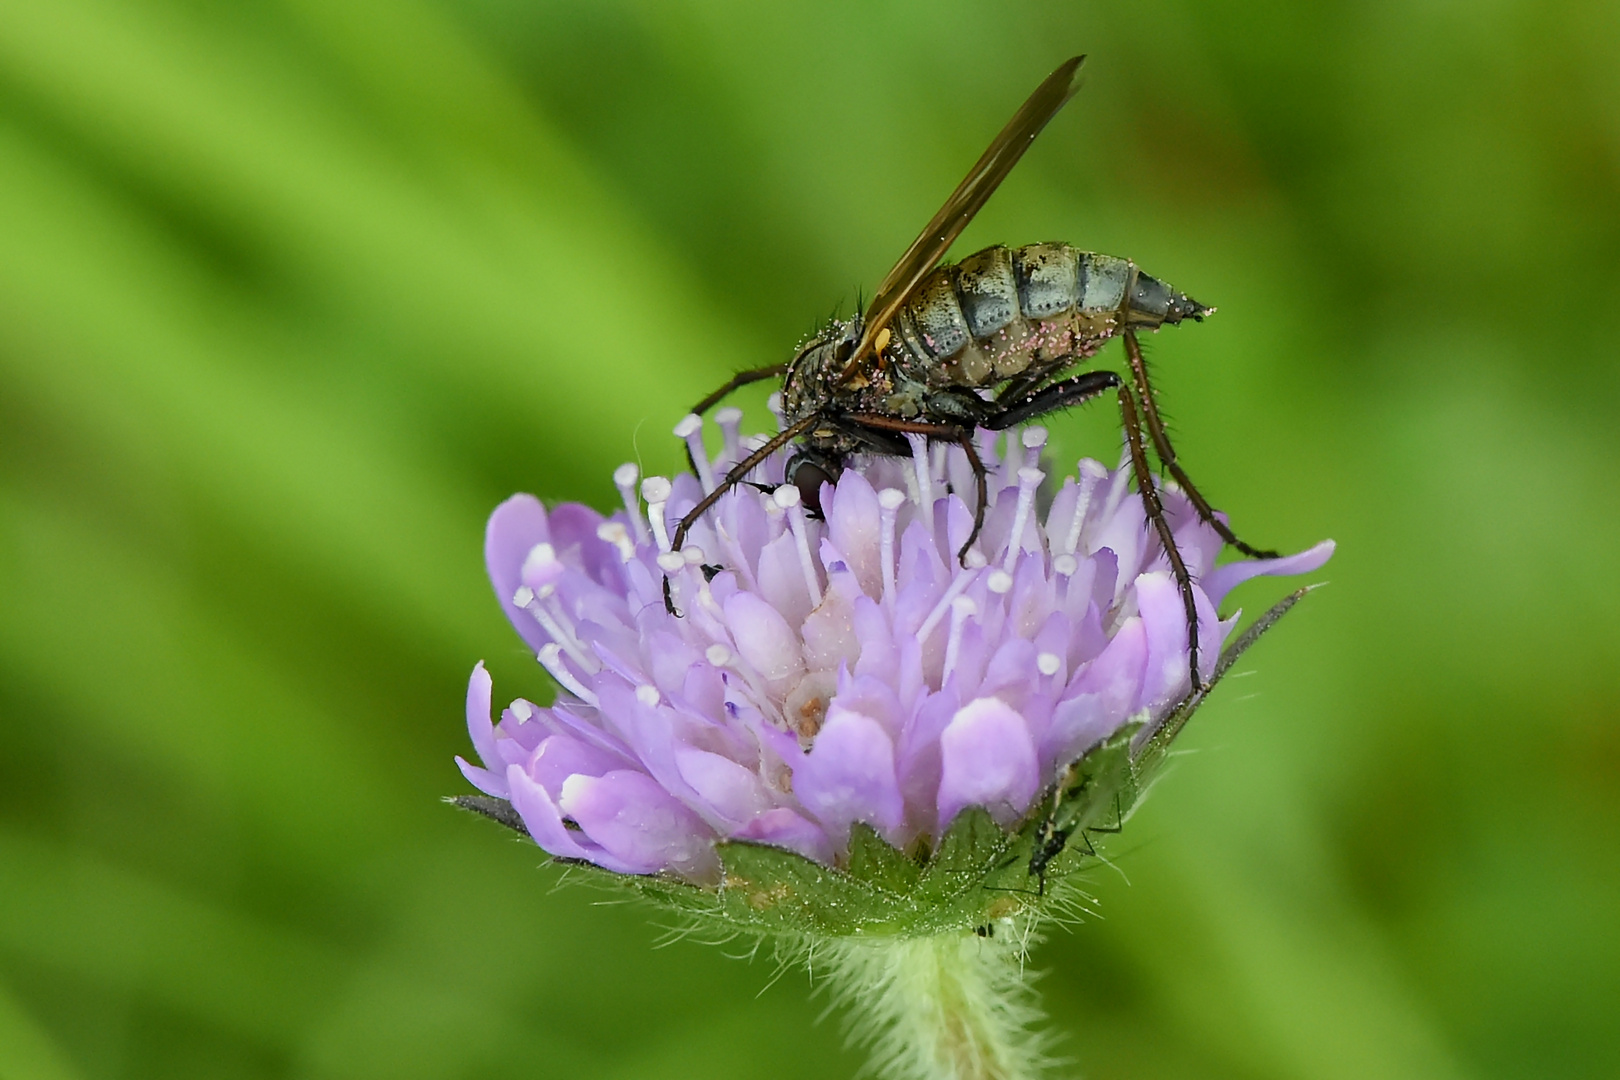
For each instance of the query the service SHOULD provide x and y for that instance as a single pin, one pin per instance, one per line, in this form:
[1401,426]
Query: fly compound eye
[808,474]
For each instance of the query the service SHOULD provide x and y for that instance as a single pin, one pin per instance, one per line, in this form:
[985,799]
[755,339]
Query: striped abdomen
[1002,310]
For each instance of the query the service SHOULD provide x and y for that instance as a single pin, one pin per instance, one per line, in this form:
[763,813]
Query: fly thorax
[906,399]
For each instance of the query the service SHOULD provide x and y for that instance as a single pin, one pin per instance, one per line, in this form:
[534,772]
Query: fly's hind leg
[1167,454]
[1082,388]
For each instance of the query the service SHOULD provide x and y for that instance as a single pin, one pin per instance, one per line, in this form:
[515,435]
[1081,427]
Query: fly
[982,343]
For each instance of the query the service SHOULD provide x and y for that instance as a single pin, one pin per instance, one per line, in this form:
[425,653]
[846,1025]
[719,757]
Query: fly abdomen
[1000,310]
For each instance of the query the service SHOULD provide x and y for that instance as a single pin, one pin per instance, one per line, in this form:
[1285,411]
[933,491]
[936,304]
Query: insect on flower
[942,351]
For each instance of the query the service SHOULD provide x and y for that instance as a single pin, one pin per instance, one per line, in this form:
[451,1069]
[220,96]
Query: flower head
[828,672]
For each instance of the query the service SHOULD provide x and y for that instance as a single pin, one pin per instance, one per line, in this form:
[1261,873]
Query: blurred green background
[293,292]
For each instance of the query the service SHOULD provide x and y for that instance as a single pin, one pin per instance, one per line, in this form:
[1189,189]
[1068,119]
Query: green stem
[947,1007]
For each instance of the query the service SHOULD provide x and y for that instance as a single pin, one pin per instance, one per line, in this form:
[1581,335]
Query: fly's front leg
[736,382]
[962,437]
[1167,454]
[736,476]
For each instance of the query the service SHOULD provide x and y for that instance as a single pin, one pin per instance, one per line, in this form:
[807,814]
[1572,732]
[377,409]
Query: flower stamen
[788,498]
[925,479]
[656,490]
[889,502]
[690,429]
[730,421]
[1028,480]
[550,657]
[624,478]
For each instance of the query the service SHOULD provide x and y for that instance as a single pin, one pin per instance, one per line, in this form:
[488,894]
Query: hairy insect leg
[1167,454]
[1050,398]
[1155,513]
[736,382]
[737,475]
[946,433]
[1082,388]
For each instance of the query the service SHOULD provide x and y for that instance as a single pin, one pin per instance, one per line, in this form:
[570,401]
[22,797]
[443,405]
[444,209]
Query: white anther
[550,657]
[1065,565]
[692,554]
[522,710]
[671,562]
[889,502]
[925,481]
[730,421]
[974,559]
[541,567]
[1028,481]
[656,490]
[718,655]
[962,609]
[523,597]
[999,582]
[647,695]
[691,429]
[616,534]
[1048,663]
[624,478]
[787,497]
[1034,440]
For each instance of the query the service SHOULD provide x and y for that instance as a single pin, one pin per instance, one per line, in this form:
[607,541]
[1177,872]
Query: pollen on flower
[833,671]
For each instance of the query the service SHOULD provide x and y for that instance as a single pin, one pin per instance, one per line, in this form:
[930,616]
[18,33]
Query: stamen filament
[788,498]
[889,503]
[1028,481]
[624,478]
[962,609]
[691,429]
[961,581]
[550,657]
[656,490]
[730,421]
[925,479]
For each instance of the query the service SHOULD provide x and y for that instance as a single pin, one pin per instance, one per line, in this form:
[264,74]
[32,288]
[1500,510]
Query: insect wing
[966,201]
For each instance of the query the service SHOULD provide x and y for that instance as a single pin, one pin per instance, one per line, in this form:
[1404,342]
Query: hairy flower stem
[945,1007]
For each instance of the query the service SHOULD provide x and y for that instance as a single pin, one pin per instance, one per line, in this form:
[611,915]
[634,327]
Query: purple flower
[836,671]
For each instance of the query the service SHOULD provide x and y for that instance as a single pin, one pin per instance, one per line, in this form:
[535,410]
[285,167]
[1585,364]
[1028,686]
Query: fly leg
[737,475]
[737,381]
[1167,455]
[962,437]
[1082,388]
